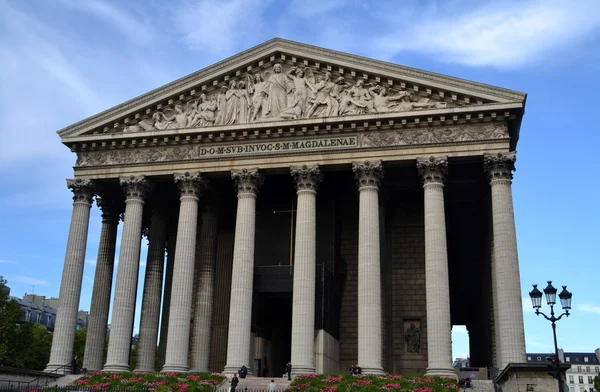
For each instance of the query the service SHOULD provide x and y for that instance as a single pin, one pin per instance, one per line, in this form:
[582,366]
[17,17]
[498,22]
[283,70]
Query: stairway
[481,386]
[256,384]
[64,380]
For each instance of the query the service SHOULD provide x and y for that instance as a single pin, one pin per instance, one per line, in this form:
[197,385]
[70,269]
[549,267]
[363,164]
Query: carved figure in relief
[259,95]
[324,89]
[244,103]
[358,100]
[301,86]
[161,122]
[143,125]
[276,91]
[413,339]
[221,106]
[232,106]
[202,112]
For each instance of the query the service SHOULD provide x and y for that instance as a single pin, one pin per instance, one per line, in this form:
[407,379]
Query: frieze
[382,139]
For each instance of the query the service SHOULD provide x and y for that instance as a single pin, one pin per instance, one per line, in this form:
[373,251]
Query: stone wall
[327,353]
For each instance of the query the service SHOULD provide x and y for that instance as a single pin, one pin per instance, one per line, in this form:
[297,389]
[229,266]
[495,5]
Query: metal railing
[9,385]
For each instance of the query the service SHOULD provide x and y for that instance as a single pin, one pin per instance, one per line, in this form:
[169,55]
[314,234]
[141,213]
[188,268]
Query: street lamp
[565,301]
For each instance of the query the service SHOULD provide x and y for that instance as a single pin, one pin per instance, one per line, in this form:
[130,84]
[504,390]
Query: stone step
[252,384]
[65,380]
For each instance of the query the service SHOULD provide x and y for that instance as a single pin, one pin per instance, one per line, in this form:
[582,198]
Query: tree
[79,345]
[10,314]
[597,383]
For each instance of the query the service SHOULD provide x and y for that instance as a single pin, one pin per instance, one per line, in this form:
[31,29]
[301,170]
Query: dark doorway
[272,320]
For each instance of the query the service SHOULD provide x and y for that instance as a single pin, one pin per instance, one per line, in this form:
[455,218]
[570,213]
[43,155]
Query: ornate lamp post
[565,300]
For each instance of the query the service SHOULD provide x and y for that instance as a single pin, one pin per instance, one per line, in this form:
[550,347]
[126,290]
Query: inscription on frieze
[383,139]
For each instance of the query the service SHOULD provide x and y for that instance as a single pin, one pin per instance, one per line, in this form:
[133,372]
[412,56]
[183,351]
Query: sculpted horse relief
[283,95]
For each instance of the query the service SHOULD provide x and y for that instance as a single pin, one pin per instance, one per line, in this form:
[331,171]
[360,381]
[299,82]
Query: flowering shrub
[157,382]
[367,383]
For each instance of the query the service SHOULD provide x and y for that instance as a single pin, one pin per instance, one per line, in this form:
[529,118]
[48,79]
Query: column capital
[83,190]
[189,184]
[247,181]
[307,178]
[500,167]
[135,187]
[367,174]
[109,208]
[433,170]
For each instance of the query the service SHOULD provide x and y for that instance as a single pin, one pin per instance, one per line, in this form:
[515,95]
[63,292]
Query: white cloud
[595,309]
[500,34]
[27,280]
[7,261]
[220,26]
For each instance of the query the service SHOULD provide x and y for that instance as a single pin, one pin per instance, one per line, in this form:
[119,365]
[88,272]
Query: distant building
[461,363]
[584,368]
[38,309]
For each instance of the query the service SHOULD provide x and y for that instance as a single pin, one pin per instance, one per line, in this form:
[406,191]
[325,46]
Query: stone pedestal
[119,344]
[437,285]
[530,377]
[98,319]
[505,275]
[183,274]
[70,285]
[153,281]
[303,307]
[368,176]
[240,309]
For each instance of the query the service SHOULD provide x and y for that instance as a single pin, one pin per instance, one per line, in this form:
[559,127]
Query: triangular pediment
[282,80]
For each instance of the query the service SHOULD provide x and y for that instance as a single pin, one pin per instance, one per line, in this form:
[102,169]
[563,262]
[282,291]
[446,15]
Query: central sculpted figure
[276,100]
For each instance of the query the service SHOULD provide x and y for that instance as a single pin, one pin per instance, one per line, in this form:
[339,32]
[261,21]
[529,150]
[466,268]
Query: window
[529,358]
[539,358]
[578,369]
[568,359]
[587,369]
[581,379]
[581,389]
[571,380]
[586,359]
[597,369]
[590,380]
[572,389]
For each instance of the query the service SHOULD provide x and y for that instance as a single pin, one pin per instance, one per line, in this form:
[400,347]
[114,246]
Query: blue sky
[62,61]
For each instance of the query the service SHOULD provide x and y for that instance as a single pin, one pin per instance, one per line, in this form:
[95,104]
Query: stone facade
[313,256]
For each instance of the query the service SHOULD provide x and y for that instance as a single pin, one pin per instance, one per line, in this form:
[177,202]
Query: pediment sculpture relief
[279,94]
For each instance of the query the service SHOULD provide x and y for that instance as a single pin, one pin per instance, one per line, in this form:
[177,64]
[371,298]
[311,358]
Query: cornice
[270,48]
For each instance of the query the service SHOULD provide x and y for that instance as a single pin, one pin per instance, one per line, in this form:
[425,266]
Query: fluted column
[153,281]
[368,176]
[98,319]
[437,285]
[242,275]
[505,275]
[70,286]
[166,304]
[117,359]
[183,273]
[307,180]
[206,253]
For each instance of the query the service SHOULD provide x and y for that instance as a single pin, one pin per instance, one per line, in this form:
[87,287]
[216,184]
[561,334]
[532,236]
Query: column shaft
[98,319]
[70,287]
[507,281]
[119,343]
[203,297]
[437,285]
[240,309]
[303,308]
[183,273]
[368,176]
[166,303]
[153,281]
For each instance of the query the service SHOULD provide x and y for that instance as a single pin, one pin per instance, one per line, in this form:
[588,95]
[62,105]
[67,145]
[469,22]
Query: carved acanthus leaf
[247,181]
[500,167]
[136,187]
[189,184]
[368,174]
[433,170]
[307,178]
[110,209]
[83,190]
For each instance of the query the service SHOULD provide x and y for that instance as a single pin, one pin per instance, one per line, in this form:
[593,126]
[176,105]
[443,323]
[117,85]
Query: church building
[300,205]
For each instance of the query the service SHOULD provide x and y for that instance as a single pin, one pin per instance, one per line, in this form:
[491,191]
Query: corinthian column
[153,281]
[242,275]
[98,320]
[70,286]
[368,176]
[505,275]
[206,252]
[117,359]
[303,308]
[183,273]
[437,286]
[164,321]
